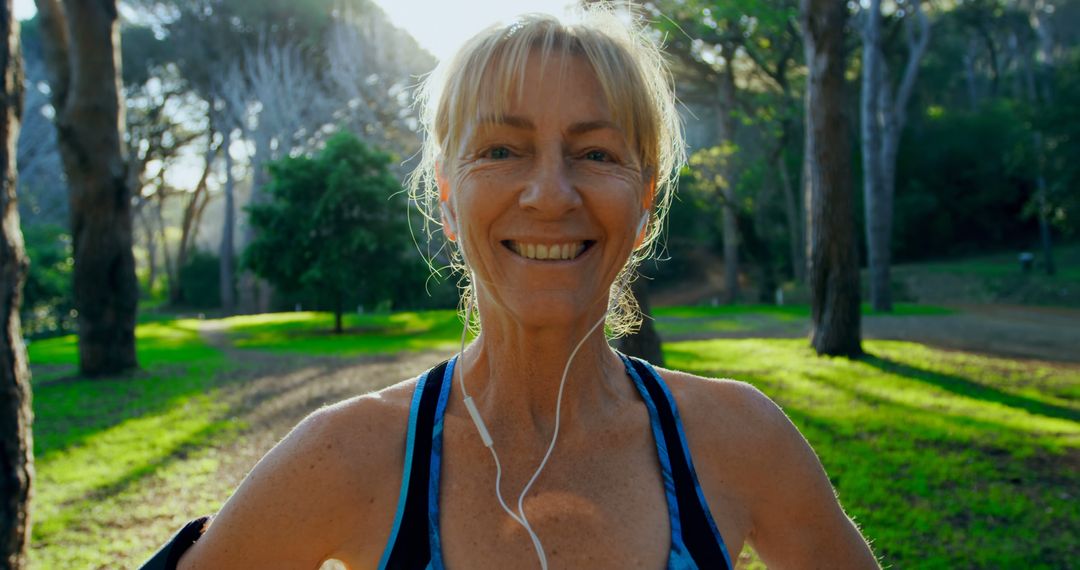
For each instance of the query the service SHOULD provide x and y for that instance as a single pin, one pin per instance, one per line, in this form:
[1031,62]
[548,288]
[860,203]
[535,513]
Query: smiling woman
[550,155]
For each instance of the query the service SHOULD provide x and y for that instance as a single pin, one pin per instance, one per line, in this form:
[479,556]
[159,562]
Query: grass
[98,440]
[311,333]
[742,320]
[994,278]
[945,459]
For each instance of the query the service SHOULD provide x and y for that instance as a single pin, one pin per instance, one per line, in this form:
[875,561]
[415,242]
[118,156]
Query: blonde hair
[632,72]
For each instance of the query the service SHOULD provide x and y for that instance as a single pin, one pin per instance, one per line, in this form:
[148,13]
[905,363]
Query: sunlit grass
[312,333]
[96,440]
[946,459]
[731,320]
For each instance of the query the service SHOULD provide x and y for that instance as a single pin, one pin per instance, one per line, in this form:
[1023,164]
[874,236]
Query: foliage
[1060,124]
[199,282]
[48,304]
[944,459]
[334,225]
[963,187]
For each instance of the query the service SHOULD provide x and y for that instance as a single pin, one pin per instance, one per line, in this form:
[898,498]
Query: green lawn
[945,459]
[311,333]
[96,441]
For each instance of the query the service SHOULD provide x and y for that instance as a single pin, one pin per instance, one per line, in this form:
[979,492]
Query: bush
[48,307]
[200,281]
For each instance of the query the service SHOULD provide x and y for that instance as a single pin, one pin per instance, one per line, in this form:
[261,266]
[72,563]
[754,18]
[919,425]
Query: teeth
[557,251]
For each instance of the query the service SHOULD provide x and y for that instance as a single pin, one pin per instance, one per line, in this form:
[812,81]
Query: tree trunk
[874,83]
[254,293]
[82,51]
[1040,25]
[726,128]
[833,274]
[645,343]
[795,231]
[189,223]
[883,118]
[226,284]
[16,447]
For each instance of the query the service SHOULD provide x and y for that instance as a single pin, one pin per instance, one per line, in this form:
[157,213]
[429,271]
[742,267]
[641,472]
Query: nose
[549,190]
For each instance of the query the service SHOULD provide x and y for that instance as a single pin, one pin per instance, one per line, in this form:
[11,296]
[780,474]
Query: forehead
[560,87]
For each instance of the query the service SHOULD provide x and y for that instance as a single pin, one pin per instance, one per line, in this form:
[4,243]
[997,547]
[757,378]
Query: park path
[1009,331]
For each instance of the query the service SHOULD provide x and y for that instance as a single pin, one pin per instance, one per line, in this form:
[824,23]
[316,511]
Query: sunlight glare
[441,27]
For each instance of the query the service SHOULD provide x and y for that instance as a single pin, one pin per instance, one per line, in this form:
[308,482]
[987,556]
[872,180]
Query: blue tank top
[415,541]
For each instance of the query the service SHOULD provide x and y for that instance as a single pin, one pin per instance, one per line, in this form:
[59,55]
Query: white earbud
[641,225]
[448,218]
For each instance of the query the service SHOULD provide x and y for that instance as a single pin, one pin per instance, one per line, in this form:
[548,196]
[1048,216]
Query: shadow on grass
[971,389]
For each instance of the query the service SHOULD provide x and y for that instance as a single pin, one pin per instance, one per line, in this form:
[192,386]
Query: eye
[598,155]
[497,153]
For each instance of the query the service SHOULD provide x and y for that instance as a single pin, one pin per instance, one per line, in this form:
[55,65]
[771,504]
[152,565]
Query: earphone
[478,420]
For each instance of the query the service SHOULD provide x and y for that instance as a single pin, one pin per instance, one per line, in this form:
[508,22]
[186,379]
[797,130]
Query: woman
[549,161]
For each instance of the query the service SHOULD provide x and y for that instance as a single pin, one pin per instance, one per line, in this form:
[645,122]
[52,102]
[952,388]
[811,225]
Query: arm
[308,497]
[797,521]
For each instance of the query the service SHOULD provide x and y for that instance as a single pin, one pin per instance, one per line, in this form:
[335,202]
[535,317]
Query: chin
[551,309]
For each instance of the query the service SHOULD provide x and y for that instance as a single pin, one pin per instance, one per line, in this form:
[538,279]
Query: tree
[332,225]
[883,116]
[16,449]
[833,270]
[81,54]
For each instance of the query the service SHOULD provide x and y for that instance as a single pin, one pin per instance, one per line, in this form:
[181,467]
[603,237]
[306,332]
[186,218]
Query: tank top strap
[695,539]
[414,537]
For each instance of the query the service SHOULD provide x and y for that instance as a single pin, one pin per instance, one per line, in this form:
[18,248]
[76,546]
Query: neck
[513,373]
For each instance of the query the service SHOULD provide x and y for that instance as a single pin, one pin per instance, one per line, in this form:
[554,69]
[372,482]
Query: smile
[548,252]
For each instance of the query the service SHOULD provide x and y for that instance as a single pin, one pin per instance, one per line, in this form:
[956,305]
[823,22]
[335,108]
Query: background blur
[279,267]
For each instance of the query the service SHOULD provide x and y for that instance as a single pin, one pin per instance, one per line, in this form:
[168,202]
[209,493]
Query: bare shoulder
[733,411]
[319,493]
[744,444]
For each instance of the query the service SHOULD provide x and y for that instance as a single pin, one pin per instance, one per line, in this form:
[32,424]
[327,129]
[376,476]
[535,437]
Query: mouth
[566,251]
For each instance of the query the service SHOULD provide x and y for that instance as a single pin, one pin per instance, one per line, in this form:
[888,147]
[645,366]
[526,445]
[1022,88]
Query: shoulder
[749,440]
[745,444]
[730,409]
[332,479]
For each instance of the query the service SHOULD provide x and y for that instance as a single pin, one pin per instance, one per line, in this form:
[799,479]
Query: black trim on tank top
[412,547]
[696,528]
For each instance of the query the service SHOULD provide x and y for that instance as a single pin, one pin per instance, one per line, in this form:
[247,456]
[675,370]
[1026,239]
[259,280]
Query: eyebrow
[523,123]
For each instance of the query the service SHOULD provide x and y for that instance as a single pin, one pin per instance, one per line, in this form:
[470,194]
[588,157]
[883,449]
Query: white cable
[485,436]
[555,433]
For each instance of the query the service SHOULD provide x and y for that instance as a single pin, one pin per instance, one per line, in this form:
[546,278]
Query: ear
[649,194]
[449,222]
[646,204]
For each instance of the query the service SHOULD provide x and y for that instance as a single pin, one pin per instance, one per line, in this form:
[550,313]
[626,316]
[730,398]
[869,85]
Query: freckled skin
[330,489]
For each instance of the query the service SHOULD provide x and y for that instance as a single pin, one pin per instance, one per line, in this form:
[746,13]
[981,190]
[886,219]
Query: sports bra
[414,542]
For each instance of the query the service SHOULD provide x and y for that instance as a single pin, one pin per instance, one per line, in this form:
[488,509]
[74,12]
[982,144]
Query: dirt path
[1040,333]
[272,392]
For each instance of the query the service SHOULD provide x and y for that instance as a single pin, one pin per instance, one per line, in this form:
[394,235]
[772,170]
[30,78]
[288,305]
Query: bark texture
[82,52]
[883,118]
[228,229]
[833,271]
[726,126]
[16,445]
[645,343]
